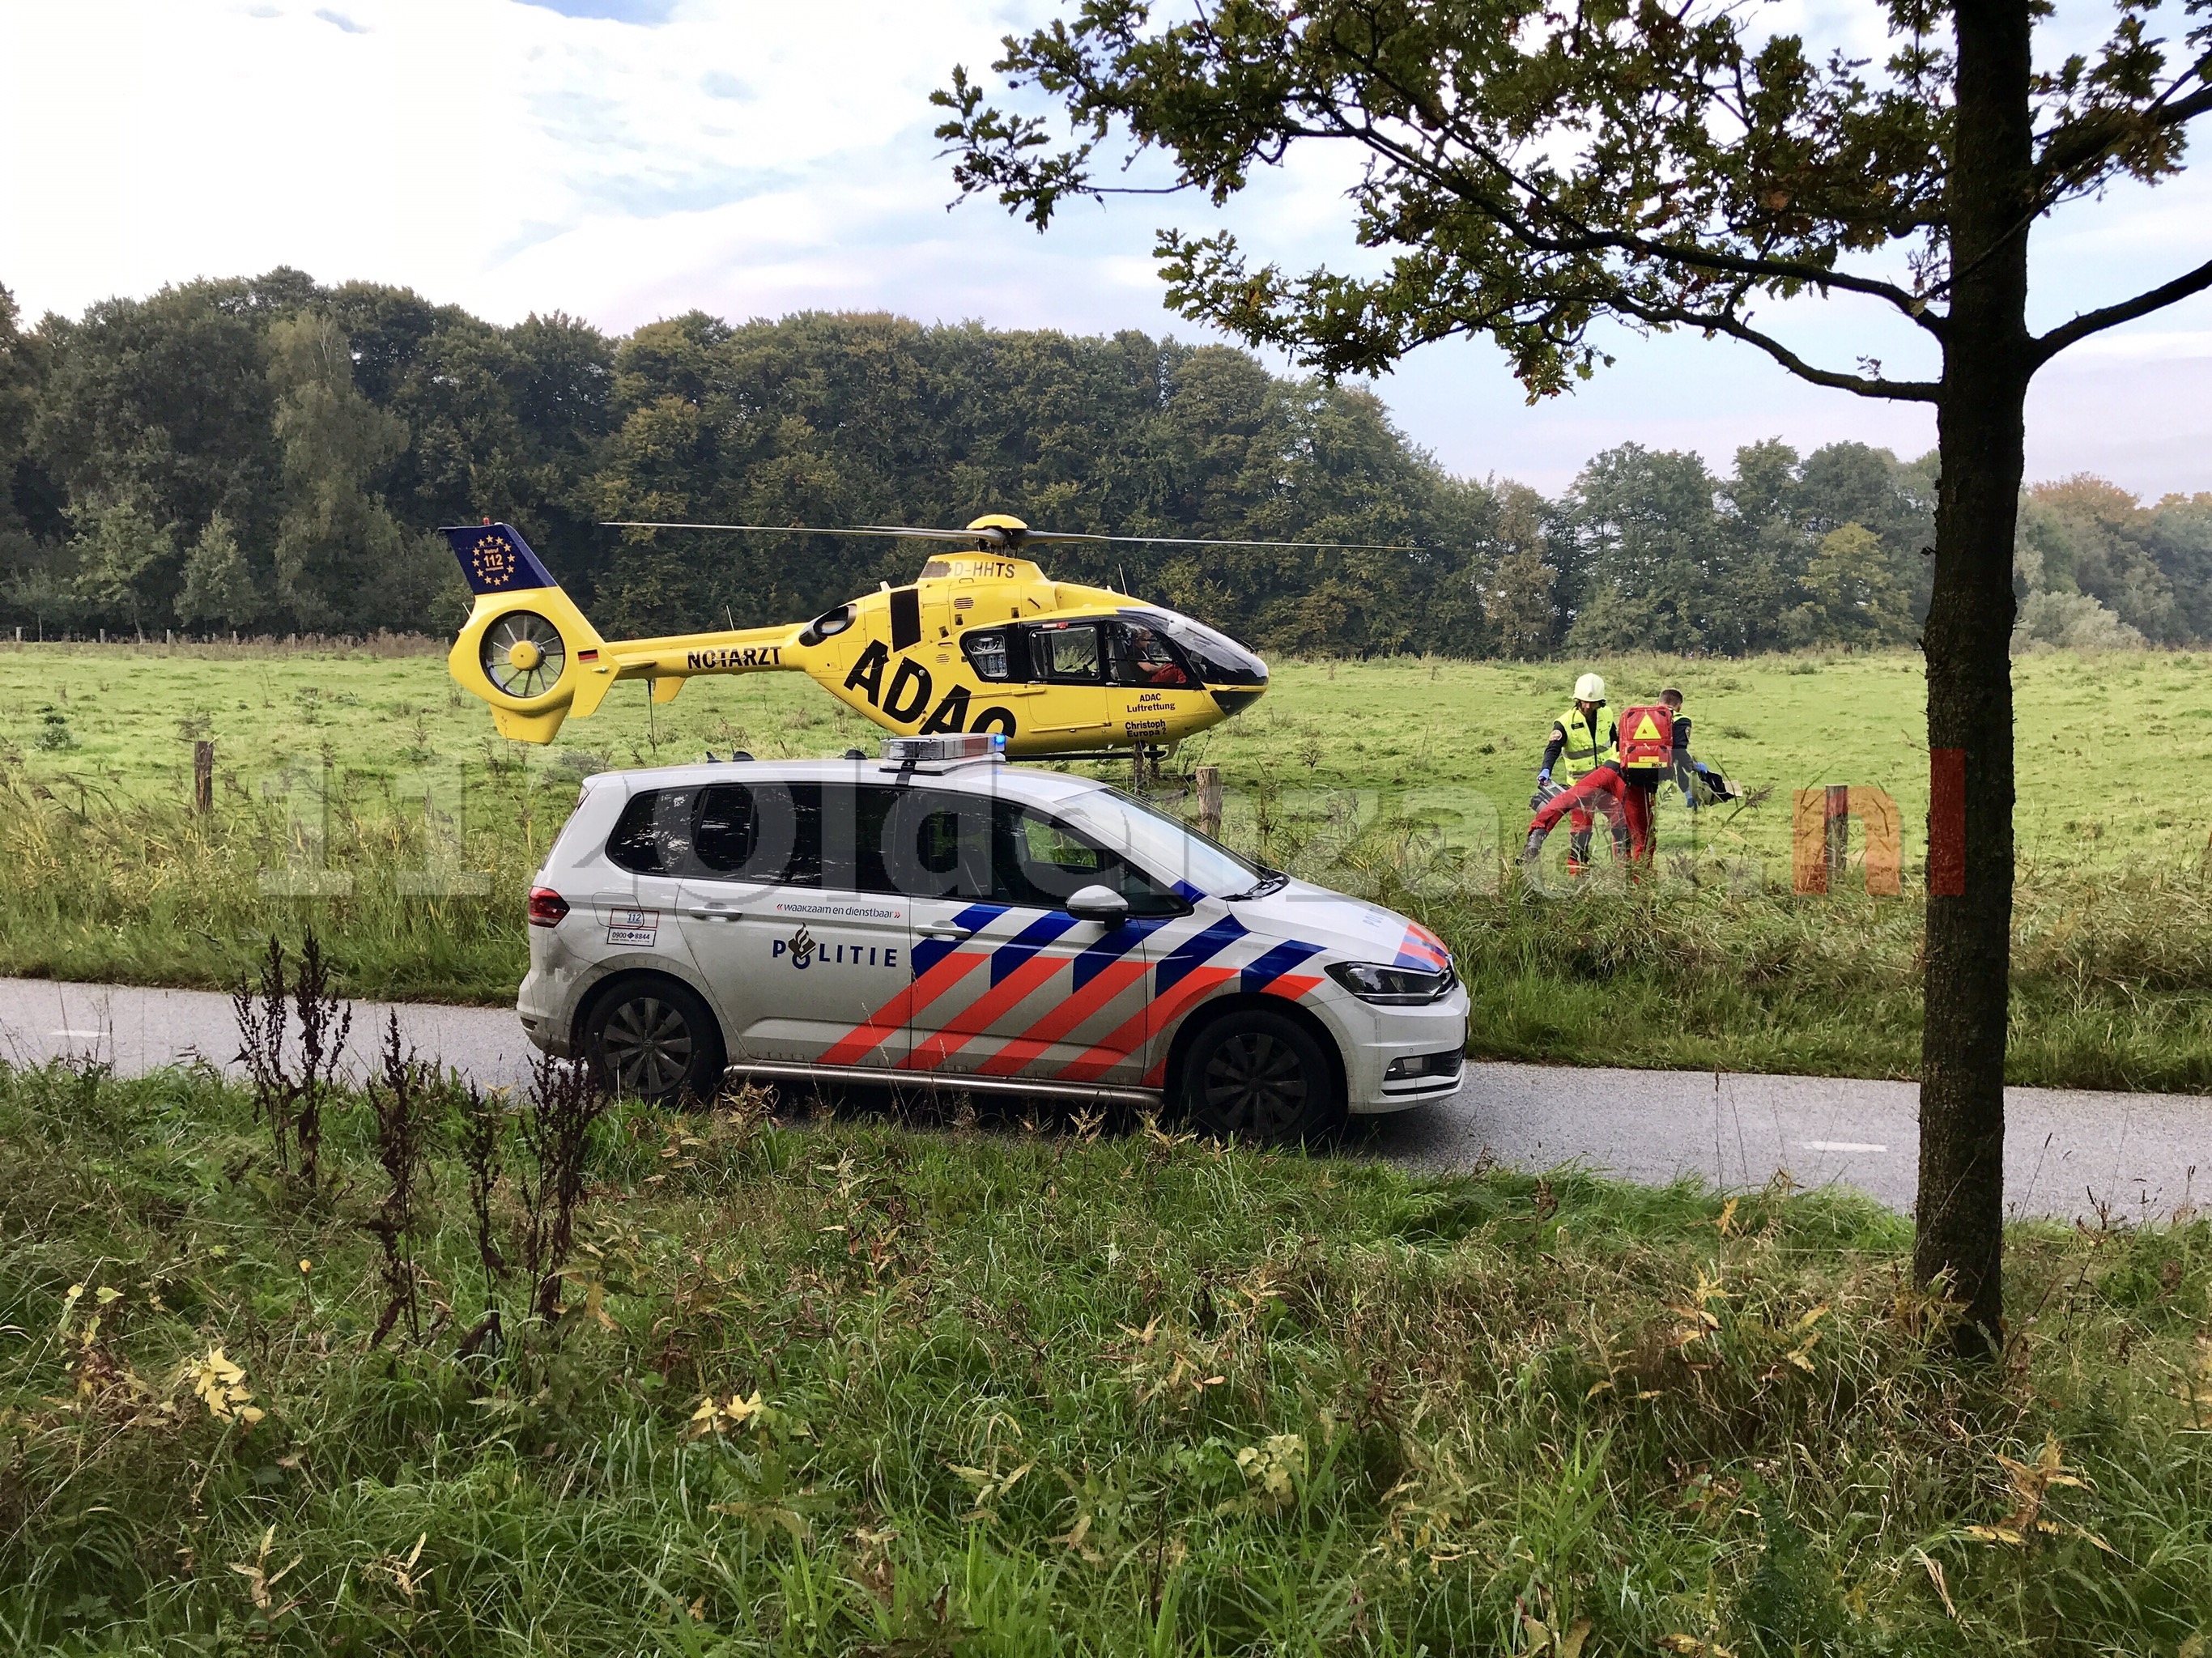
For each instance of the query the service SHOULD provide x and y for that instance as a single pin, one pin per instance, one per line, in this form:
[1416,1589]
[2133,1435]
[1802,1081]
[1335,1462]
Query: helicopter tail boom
[533,656]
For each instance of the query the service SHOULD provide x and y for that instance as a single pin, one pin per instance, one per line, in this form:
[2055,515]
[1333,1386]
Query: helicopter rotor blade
[1222,540]
[814,530]
[996,537]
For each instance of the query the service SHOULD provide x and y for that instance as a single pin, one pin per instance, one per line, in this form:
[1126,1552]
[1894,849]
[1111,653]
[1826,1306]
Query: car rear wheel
[652,1039]
[1259,1075]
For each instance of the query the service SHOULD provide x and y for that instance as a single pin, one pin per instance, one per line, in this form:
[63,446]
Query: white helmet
[1589,689]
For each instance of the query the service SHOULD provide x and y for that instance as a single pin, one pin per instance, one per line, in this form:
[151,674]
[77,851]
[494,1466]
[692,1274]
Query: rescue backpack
[1647,737]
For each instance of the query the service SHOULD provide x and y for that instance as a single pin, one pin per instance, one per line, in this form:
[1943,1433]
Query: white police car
[940,917]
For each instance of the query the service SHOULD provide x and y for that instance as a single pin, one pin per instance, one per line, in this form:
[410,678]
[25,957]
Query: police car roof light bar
[949,745]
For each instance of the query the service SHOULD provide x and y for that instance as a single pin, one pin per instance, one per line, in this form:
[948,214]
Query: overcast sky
[625,159]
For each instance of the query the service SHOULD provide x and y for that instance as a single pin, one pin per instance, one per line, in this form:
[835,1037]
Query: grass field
[1403,779]
[2115,750]
[857,1389]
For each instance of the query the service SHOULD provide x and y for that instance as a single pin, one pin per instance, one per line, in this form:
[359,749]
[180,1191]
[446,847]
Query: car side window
[837,837]
[725,831]
[653,836]
[1039,862]
[1067,651]
[937,844]
[725,828]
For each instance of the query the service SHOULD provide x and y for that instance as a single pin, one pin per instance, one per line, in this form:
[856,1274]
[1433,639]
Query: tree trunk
[1980,422]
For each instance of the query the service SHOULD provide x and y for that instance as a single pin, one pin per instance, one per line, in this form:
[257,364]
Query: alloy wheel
[1254,1084]
[648,1045]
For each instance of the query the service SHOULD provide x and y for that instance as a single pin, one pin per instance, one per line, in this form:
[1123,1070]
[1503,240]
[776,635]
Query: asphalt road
[2066,1153]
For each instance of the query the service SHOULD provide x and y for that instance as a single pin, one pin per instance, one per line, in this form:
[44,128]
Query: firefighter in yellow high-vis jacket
[1583,739]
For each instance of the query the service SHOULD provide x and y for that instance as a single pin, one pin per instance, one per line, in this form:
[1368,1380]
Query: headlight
[1393,986]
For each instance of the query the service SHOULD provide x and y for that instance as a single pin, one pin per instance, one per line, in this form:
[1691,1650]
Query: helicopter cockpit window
[1142,656]
[987,653]
[1218,659]
[1067,652]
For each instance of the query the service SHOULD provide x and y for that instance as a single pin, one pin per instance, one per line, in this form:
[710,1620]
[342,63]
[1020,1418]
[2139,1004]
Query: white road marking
[1841,1146]
[73,1035]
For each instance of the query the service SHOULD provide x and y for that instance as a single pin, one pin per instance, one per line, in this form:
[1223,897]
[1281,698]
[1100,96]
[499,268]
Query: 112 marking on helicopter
[981,641]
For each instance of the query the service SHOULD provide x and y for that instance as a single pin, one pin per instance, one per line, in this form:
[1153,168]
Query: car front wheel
[1259,1075]
[655,1040]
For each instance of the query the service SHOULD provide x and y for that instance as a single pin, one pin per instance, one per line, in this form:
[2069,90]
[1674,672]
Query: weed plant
[856,1389]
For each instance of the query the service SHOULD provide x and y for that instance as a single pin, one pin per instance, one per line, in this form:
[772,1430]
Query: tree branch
[1734,328]
[1587,238]
[2111,316]
[2089,138]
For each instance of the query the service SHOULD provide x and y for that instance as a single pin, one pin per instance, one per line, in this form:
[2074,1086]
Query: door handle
[713,913]
[945,930]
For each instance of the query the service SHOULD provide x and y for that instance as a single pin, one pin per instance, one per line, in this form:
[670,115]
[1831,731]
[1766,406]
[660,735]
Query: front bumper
[1373,1040]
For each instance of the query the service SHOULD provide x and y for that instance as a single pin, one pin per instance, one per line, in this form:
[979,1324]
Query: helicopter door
[1150,677]
[1069,658]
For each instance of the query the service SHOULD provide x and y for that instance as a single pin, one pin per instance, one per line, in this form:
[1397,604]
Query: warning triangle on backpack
[1646,730]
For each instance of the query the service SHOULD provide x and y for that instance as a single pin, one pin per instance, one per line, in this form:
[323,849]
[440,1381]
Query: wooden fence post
[1209,801]
[203,777]
[1838,835]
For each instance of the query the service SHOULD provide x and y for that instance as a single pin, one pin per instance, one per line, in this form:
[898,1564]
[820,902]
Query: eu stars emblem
[493,560]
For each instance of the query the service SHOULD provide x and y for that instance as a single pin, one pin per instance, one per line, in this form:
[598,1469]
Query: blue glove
[1545,775]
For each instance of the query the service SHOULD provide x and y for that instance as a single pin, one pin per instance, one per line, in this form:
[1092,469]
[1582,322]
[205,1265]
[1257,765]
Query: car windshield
[1160,843]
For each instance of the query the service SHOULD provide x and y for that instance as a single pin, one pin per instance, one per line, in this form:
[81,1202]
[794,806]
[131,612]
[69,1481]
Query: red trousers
[1614,797]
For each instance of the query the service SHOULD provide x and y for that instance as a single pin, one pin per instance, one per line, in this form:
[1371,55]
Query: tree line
[271,455]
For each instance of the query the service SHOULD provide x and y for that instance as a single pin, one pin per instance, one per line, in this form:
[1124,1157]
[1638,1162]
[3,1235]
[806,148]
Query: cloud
[624,159]
[646,12]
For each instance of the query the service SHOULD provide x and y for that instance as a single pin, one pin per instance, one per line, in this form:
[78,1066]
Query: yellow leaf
[1570,1645]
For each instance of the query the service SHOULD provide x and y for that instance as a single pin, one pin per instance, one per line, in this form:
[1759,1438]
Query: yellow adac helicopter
[981,641]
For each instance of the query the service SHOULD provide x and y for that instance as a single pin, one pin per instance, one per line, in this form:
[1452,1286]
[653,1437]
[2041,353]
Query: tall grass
[858,1390]
[2110,973]
[137,891]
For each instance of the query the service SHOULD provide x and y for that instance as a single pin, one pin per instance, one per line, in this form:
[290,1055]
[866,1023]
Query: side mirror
[1098,903]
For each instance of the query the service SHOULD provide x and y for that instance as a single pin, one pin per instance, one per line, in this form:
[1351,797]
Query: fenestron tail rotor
[526,649]
[522,654]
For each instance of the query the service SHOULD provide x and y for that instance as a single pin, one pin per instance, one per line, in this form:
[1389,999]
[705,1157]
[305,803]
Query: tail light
[547,907]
